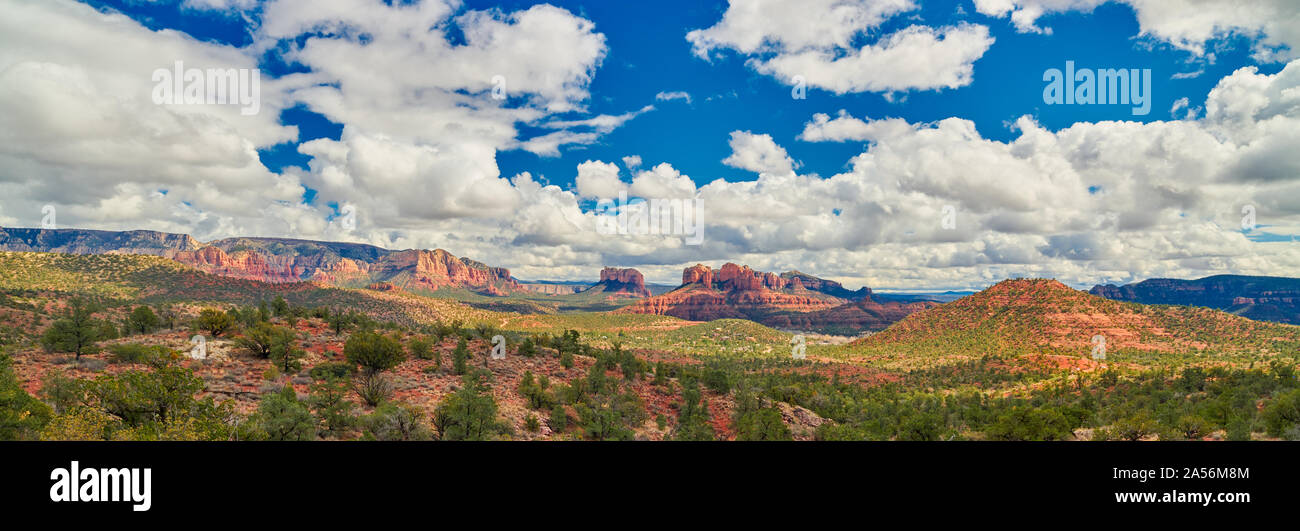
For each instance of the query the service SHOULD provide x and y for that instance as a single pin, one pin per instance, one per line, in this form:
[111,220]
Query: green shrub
[140,353]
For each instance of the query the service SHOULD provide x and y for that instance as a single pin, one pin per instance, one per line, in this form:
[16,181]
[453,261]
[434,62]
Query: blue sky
[914,110]
[648,54]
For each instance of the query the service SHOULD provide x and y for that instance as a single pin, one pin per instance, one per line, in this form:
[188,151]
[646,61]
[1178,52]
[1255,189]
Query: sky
[898,144]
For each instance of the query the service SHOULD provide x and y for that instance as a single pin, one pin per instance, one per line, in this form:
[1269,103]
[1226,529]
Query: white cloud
[917,57]
[675,95]
[662,181]
[758,153]
[1186,24]
[421,126]
[548,145]
[632,162]
[584,131]
[843,127]
[79,129]
[221,5]
[816,41]
[603,123]
[599,179]
[754,26]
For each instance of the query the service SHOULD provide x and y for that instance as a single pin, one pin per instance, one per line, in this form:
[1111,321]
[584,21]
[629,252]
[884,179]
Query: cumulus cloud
[599,179]
[424,119]
[662,182]
[79,129]
[917,57]
[751,26]
[842,128]
[1186,24]
[814,42]
[758,153]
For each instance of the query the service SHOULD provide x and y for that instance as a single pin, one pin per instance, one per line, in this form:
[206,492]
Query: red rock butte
[623,281]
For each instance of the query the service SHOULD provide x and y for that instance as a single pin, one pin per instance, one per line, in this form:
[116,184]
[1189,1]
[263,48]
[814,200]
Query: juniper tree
[78,331]
[214,321]
[142,320]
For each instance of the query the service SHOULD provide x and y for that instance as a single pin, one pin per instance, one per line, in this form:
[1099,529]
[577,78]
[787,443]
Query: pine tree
[459,357]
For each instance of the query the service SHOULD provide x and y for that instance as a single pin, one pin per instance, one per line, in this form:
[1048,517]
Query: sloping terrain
[866,314]
[1035,316]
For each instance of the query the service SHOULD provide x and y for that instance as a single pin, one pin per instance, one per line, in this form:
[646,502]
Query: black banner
[302,482]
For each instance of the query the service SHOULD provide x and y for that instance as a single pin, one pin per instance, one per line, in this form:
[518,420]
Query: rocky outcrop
[382,286]
[243,264]
[437,269]
[734,291]
[790,300]
[1261,298]
[698,274]
[622,282]
[734,277]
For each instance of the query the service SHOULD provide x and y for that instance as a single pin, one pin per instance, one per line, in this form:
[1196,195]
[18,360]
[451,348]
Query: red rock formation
[278,260]
[789,300]
[436,269]
[698,273]
[242,264]
[616,281]
[733,291]
[410,269]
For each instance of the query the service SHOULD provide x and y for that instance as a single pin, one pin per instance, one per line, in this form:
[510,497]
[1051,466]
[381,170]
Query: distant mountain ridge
[278,260]
[1261,298]
[82,241]
[796,279]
